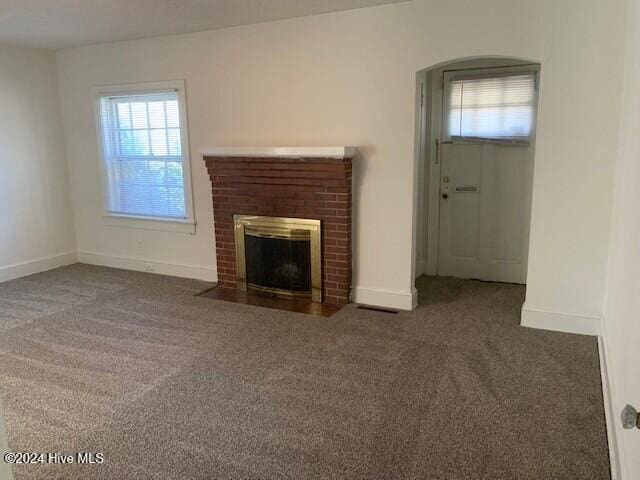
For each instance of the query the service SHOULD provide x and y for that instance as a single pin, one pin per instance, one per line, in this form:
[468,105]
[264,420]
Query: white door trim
[420,179]
[433,192]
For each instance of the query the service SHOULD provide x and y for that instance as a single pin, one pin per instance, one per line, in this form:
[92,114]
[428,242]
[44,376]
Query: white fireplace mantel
[280,152]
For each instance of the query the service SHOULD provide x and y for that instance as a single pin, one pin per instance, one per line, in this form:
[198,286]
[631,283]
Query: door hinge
[422,94]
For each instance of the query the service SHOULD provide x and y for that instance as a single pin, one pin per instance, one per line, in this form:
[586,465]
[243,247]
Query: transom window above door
[144,152]
[490,108]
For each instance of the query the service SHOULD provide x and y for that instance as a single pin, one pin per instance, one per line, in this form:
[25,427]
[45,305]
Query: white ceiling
[66,23]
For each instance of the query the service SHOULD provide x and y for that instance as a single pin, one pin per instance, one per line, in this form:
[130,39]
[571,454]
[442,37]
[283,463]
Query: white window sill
[156,224]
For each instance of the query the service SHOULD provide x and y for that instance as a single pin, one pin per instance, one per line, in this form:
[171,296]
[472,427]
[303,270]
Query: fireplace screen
[280,256]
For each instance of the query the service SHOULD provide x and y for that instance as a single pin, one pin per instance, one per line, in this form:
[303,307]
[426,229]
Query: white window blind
[142,152]
[497,108]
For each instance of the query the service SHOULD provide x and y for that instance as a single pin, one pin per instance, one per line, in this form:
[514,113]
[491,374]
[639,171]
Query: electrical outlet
[149,267]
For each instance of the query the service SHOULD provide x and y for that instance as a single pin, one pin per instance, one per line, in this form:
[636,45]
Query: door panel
[503,202]
[482,211]
[464,244]
[462,233]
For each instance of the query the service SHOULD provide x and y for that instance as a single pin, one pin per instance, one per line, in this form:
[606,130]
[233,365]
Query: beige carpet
[172,386]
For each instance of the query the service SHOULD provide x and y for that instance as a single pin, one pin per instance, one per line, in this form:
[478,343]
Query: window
[144,151]
[495,108]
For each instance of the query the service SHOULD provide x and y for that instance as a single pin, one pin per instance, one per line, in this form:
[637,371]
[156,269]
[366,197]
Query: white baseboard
[199,272]
[560,322]
[611,416]
[42,264]
[378,297]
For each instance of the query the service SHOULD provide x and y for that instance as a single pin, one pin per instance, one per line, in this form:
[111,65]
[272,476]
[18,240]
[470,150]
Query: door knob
[630,417]
[445,195]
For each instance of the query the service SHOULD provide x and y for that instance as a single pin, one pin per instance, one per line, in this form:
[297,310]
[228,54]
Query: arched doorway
[475,139]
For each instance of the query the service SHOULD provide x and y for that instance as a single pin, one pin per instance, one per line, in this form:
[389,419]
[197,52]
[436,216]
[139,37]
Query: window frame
[186,225]
[449,76]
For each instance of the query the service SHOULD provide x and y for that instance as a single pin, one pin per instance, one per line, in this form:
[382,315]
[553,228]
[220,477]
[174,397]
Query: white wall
[574,159]
[348,78]
[622,306]
[35,209]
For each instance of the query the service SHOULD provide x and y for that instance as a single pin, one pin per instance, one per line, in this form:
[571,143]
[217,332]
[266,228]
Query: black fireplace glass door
[278,263]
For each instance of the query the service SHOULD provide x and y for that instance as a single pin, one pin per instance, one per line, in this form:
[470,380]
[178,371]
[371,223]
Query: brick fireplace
[309,183]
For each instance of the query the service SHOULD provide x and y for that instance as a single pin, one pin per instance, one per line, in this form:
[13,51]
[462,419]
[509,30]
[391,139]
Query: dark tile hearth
[297,305]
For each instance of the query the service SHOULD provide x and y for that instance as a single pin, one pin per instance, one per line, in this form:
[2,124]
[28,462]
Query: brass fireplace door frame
[278,227]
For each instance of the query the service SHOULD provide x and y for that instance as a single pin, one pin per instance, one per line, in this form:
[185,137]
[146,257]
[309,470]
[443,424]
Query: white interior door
[488,124]
[482,211]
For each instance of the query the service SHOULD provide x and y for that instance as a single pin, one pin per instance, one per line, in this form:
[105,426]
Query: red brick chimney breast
[314,188]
